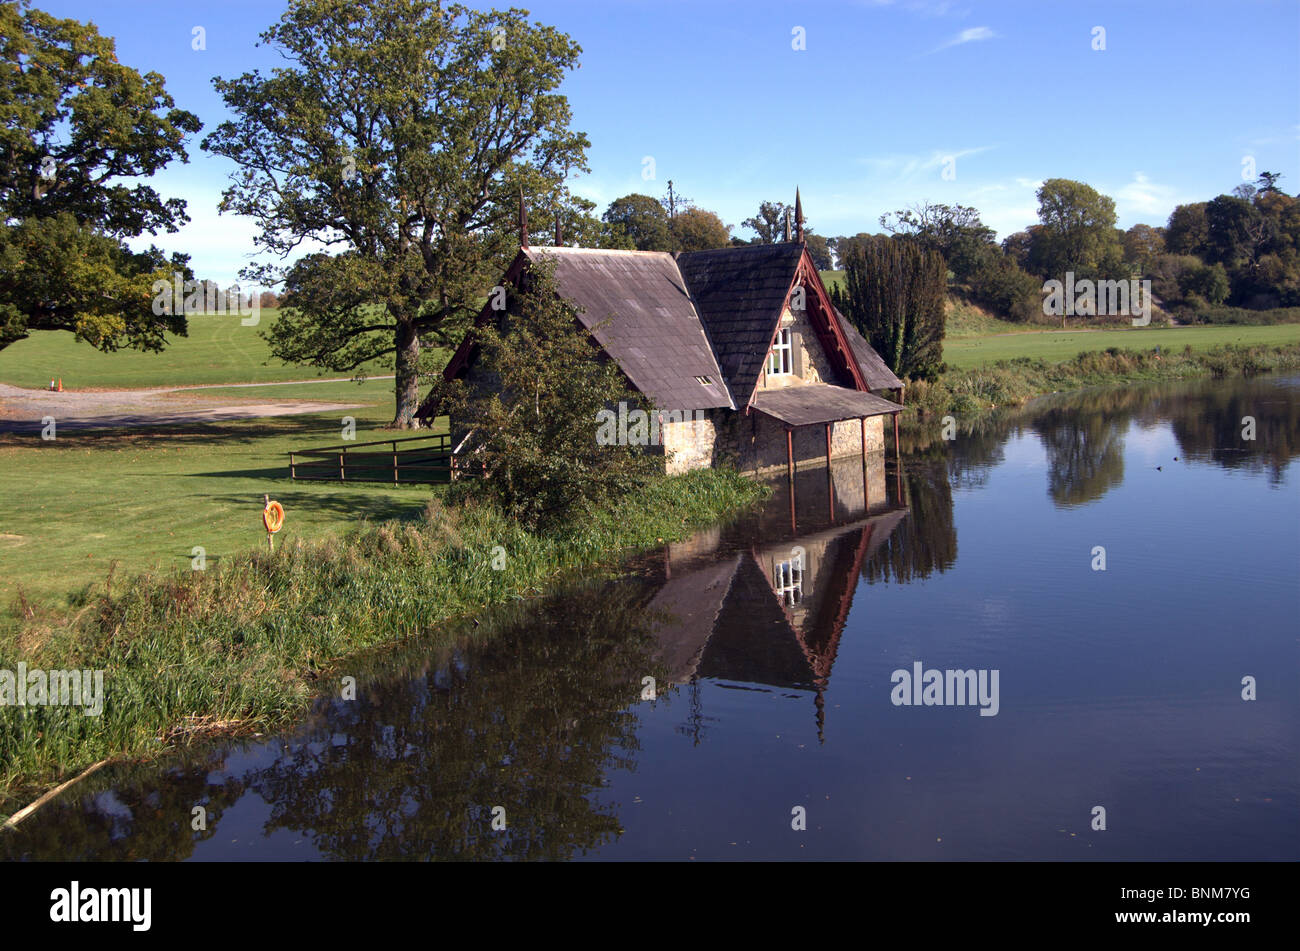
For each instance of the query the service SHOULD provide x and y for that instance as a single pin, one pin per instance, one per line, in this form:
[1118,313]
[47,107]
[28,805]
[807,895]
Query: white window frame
[780,361]
[789,581]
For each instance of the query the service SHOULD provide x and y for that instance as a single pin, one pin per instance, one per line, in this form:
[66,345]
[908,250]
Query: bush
[535,430]
[1006,289]
[1221,314]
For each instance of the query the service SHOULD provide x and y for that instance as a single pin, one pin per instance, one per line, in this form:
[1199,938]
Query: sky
[866,105]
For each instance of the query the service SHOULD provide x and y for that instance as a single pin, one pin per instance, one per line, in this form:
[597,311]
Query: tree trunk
[408,376]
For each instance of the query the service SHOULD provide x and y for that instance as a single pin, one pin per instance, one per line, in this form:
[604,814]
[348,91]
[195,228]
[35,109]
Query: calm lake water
[771,648]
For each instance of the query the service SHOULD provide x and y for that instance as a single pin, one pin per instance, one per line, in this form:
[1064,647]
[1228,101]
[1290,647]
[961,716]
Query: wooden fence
[362,462]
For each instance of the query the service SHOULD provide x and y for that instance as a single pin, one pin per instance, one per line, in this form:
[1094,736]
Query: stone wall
[756,443]
[689,444]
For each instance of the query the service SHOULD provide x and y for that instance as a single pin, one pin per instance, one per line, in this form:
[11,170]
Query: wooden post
[293,472]
[394,462]
[789,473]
[898,463]
[830,483]
[866,488]
[793,522]
[342,475]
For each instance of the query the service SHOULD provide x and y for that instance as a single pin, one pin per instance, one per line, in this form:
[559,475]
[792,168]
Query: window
[704,380]
[789,581]
[780,361]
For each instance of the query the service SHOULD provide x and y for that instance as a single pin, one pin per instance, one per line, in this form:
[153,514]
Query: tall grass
[248,642]
[964,393]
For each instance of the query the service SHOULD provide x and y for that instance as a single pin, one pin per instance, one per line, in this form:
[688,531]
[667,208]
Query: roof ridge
[572,250]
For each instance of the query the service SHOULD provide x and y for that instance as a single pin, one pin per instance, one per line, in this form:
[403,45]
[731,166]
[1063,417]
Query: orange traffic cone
[60,384]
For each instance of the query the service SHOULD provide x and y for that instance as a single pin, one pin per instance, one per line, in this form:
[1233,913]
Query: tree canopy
[695,229]
[399,136]
[75,127]
[1077,232]
[638,222]
[955,231]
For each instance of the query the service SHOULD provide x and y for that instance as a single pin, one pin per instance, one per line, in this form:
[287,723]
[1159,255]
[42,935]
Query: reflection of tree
[530,721]
[924,541]
[977,453]
[1085,453]
[1208,427]
[972,455]
[529,717]
[147,816]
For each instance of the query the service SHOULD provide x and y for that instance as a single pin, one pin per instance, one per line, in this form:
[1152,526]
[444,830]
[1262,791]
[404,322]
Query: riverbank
[970,393]
[248,643]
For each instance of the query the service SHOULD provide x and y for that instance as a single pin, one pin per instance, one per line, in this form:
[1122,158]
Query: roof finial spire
[523,220]
[798,216]
[787,225]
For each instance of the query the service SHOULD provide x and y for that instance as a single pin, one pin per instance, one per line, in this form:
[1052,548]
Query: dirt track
[23,410]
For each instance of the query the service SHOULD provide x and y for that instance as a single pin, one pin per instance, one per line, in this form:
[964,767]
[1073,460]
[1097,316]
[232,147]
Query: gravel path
[22,410]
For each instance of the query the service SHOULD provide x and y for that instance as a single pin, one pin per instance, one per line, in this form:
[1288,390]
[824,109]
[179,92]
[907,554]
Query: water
[772,644]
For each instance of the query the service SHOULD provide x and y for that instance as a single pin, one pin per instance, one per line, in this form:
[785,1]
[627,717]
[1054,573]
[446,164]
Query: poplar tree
[893,293]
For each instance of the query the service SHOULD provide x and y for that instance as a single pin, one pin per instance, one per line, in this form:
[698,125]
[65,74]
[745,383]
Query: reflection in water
[528,719]
[760,604]
[786,623]
[1085,454]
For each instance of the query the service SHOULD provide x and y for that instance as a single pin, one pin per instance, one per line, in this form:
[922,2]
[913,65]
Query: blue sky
[864,119]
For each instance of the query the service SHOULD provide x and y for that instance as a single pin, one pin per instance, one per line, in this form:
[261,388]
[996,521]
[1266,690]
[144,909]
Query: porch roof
[820,403]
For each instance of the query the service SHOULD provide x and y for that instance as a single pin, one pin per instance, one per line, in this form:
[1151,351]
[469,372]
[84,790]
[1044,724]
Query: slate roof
[668,319]
[820,403]
[650,327]
[740,293]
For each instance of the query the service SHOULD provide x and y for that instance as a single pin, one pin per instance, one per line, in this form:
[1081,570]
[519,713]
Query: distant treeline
[1227,260]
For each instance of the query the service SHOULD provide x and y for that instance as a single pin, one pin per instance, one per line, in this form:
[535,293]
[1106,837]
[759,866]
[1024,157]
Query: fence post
[293,472]
[342,476]
[394,462]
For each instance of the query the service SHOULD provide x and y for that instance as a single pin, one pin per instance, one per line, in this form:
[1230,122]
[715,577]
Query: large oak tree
[398,138]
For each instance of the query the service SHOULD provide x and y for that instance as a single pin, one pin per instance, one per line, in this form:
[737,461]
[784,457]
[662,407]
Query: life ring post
[272,518]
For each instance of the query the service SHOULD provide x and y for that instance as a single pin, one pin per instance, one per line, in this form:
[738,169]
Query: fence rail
[432,462]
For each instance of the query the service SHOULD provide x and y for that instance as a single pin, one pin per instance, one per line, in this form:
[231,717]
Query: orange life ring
[273,517]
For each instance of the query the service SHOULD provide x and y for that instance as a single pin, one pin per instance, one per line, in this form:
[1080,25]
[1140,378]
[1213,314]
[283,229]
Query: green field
[218,349]
[967,352]
[75,505]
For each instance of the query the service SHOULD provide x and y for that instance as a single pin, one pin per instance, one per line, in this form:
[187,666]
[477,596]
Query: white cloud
[1144,198]
[972,35]
[902,167]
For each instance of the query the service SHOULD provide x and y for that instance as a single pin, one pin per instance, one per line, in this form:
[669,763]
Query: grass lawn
[218,349]
[77,504]
[967,352]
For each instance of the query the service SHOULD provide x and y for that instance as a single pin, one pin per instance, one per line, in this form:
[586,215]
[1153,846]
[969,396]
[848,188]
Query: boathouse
[739,349]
